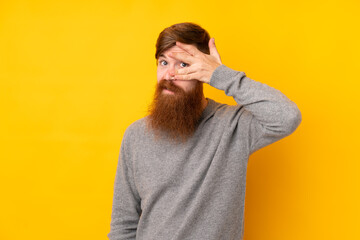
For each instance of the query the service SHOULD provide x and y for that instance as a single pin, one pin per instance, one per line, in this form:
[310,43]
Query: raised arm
[273,115]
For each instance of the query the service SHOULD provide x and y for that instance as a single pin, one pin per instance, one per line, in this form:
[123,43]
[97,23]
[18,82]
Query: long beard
[176,115]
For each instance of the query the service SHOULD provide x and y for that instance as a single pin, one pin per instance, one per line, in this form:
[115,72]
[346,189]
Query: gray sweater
[196,190]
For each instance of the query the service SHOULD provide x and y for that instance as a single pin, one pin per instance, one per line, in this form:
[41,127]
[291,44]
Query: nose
[170,73]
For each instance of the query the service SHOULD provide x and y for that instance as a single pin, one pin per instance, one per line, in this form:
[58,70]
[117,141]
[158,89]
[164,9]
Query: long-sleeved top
[196,190]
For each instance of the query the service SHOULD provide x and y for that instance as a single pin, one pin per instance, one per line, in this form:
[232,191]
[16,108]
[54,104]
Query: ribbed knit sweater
[196,190]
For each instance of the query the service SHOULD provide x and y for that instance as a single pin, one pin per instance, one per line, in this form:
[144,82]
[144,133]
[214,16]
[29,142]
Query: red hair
[187,32]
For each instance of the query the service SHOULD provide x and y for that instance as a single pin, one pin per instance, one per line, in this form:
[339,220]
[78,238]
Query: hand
[201,65]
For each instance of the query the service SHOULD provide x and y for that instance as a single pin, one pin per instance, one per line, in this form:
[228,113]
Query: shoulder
[135,130]
[228,114]
[223,109]
[137,125]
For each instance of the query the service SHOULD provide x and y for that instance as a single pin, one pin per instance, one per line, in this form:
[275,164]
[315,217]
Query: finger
[213,50]
[185,70]
[191,49]
[184,57]
[186,77]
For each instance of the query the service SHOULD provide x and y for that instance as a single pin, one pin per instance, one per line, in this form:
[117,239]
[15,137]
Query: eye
[163,62]
[183,64]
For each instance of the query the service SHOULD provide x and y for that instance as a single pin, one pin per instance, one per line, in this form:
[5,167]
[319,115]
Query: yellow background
[74,74]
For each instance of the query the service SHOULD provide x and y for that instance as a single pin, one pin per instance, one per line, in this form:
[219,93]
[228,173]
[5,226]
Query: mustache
[169,85]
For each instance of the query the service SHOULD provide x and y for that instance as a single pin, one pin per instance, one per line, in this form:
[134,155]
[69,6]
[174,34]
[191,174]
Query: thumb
[213,50]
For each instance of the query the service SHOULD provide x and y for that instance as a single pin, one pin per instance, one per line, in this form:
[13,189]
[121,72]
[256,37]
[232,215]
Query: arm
[274,116]
[126,209]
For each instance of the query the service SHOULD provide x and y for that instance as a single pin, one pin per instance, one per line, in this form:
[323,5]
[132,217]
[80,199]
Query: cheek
[160,75]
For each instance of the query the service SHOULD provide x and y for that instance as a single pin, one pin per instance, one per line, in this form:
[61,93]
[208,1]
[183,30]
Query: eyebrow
[162,55]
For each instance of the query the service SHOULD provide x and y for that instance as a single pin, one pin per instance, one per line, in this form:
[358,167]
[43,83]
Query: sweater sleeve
[273,115]
[126,208]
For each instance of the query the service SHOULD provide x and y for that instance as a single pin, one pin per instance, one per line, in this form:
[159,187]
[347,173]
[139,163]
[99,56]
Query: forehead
[172,49]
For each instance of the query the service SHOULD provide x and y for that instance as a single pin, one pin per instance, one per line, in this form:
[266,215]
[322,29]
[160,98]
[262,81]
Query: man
[182,169]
